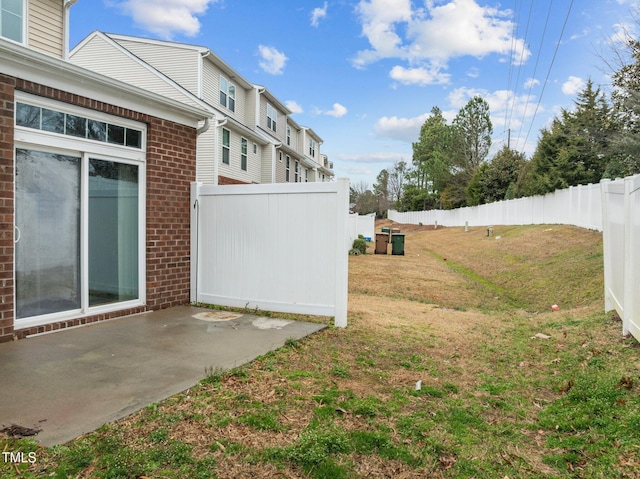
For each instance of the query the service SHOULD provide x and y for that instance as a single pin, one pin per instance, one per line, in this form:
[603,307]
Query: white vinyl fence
[275,247]
[621,242]
[612,207]
[364,225]
[577,206]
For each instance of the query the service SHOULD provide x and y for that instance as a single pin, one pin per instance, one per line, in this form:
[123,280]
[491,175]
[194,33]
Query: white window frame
[227,89]
[272,118]
[287,169]
[312,148]
[226,147]
[297,172]
[288,136]
[23,40]
[244,150]
[39,140]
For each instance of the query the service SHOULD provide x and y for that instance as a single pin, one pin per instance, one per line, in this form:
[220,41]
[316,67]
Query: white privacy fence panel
[275,247]
[621,241]
[364,225]
[577,205]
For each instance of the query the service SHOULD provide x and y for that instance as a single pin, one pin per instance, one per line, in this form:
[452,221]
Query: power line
[548,74]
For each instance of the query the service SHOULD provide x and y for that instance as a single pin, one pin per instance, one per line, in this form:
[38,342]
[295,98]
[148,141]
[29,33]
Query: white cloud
[573,85]
[318,14]
[431,36]
[402,129]
[337,111]
[531,82]
[418,76]
[294,106]
[166,18]
[365,158]
[273,61]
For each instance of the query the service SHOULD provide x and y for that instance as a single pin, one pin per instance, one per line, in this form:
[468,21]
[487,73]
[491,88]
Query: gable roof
[157,81]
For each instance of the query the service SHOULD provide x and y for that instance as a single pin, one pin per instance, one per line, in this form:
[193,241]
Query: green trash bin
[397,244]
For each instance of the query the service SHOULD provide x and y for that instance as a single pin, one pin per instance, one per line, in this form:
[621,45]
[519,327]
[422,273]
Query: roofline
[265,91]
[154,71]
[30,65]
[204,51]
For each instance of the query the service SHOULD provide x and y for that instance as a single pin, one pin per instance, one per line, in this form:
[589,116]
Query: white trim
[30,65]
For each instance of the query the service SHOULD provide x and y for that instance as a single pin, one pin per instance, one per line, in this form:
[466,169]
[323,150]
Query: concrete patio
[71,382]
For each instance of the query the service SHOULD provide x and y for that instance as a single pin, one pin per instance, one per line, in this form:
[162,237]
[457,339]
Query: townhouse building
[253,138]
[95,176]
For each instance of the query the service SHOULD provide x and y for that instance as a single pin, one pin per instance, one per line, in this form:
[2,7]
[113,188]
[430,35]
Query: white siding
[211,92]
[206,156]
[100,56]
[45,29]
[179,64]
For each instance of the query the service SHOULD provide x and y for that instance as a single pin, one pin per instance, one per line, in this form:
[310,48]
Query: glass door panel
[48,219]
[113,232]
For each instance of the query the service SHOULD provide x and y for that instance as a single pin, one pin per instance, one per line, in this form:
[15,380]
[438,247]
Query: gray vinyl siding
[233,169]
[102,57]
[281,121]
[206,156]
[179,64]
[45,27]
[211,92]
[265,158]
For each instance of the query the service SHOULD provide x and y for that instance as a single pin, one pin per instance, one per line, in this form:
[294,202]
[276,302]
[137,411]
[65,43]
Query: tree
[501,174]
[363,197]
[625,143]
[432,159]
[576,149]
[381,191]
[396,180]
[472,129]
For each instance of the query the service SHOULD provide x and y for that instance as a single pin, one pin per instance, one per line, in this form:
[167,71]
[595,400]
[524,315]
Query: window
[306,175]
[255,149]
[312,148]
[243,154]
[45,119]
[297,172]
[280,157]
[272,117]
[12,20]
[288,136]
[227,94]
[287,173]
[226,145]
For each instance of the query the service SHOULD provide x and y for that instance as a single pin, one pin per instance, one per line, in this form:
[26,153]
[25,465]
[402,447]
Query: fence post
[342,259]
[195,239]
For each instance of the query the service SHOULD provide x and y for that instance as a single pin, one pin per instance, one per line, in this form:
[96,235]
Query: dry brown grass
[463,326]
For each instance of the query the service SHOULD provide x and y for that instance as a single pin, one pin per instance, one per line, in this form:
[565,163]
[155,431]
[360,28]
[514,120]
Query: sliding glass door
[77,233]
[113,232]
[47,216]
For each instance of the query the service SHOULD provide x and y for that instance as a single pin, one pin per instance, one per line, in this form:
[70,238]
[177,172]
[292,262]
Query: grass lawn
[509,389]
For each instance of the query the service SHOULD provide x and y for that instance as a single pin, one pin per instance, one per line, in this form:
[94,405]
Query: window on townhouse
[289,136]
[312,148]
[255,149]
[287,170]
[280,156]
[12,20]
[306,175]
[226,145]
[227,94]
[272,117]
[297,172]
[243,154]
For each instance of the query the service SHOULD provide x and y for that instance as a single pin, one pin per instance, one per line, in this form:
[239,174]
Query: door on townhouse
[77,233]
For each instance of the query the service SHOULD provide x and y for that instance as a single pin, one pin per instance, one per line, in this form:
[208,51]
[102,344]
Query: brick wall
[7,86]
[171,167]
[225,180]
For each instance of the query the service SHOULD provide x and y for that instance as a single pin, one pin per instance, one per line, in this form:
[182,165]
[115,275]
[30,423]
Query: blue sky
[364,74]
